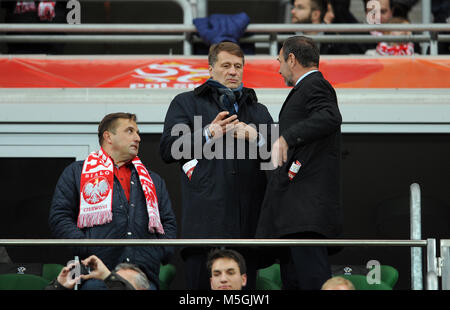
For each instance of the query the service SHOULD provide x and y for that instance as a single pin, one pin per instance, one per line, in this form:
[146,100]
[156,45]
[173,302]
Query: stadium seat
[389,275]
[22,282]
[360,283]
[269,278]
[166,275]
[51,271]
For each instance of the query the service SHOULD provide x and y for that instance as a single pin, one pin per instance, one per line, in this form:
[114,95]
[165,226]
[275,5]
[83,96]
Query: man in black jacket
[222,186]
[111,195]
[303,196]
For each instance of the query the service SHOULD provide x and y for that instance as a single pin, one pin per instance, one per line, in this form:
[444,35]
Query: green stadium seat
[269,278]
[13,281]
[51,271]
[166,275]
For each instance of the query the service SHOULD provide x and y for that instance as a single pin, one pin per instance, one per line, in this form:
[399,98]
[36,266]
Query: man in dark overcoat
[302,200]
[222,188]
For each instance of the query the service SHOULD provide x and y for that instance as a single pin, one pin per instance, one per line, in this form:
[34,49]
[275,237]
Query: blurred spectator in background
[391,8]
[329,14]
[396,48]
[385,9]
[308,12]
[388,10]
[338,12]
[34,12]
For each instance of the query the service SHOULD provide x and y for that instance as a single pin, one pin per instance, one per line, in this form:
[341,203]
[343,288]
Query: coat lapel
[296,87]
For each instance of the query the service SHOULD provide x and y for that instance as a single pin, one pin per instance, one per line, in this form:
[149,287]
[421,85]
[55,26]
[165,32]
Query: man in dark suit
[302,200]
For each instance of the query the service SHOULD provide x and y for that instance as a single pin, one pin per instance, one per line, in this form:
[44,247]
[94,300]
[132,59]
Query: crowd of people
[390,12]
[219,135]
[232,26]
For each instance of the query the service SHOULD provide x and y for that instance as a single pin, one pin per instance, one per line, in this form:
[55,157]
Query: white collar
[305,75]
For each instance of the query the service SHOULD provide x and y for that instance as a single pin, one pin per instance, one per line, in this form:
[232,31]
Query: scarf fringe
[93,219]
[154,224]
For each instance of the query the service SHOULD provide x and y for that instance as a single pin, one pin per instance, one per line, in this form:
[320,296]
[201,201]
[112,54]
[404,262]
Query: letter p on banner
[374,275]
[74,16]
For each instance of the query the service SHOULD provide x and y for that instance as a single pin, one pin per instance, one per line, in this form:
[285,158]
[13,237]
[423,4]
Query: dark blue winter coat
[129,221]
[223,197]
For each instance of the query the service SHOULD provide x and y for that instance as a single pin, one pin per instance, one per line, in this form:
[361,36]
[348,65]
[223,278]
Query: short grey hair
[140,278]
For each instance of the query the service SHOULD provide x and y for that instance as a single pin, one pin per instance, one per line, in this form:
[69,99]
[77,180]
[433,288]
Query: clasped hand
[224,123]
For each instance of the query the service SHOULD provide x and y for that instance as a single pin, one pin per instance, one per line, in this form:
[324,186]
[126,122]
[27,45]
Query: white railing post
[415,226]
[432,267]
[445,264]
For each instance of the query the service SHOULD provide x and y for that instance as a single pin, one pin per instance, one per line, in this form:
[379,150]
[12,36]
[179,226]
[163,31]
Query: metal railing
[443,264]
[430,244]
[432,266]
[270,33]
[211,242]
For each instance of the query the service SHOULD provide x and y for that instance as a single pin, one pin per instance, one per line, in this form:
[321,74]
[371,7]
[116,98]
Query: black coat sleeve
[180,115]
[265,130]
[323,118]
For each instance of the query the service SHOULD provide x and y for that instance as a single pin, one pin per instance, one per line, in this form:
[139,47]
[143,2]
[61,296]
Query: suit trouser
[307,268]
[197,275]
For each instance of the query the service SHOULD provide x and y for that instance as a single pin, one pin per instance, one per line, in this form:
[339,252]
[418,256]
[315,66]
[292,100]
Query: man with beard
[302,200]
[308,12]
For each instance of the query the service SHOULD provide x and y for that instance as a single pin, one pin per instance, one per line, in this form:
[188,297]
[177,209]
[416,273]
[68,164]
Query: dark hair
[321,5]
[342,13]
[365,4]
[108,123]
[304,50]
[228,47]
[226,253]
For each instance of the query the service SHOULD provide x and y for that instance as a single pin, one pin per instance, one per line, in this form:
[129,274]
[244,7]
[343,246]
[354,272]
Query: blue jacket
[222,27]
[129,221]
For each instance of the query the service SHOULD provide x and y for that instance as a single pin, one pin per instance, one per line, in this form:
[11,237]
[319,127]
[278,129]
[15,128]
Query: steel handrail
[176,38]
[211,242]
[252,28]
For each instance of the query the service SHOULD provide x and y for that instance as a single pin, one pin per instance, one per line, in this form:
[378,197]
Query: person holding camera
[124,277]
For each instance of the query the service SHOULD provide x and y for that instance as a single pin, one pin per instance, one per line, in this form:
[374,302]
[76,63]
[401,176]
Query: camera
[85,269]
[82,269]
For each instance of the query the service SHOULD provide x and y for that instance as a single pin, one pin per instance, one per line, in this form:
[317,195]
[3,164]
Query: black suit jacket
[310,122]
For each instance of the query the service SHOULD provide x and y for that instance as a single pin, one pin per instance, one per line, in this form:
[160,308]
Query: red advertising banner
[189,73]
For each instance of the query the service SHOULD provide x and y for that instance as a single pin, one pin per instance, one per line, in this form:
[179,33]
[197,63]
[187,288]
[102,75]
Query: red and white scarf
[96,192]
[384,48]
